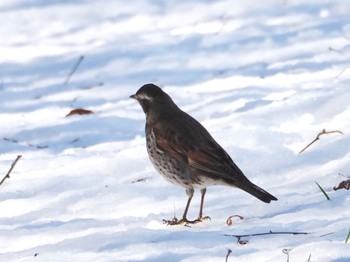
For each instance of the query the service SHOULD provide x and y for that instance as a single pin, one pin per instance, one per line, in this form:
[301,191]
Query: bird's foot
[185,221]
[175,221]
[172,222]
[201,219]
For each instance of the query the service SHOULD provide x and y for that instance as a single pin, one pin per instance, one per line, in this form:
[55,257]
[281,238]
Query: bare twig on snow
[286,251]
[21,143]
[335,50]
[74,69]
[342,72]
[323,132]
[10,170]
[229,221]
[228,254]
[243,242]
[309,259]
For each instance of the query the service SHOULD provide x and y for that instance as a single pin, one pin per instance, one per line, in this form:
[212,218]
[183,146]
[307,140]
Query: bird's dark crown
[150,95]
[149,92]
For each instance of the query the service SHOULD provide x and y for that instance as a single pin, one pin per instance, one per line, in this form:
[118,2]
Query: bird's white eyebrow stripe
[143,96]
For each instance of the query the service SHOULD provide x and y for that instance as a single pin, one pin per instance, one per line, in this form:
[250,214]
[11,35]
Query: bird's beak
[133,97]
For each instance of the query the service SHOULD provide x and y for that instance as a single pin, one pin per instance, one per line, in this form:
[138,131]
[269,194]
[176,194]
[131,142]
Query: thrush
[184,152]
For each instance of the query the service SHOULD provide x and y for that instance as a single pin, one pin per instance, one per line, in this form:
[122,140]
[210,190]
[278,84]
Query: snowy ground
[263,77]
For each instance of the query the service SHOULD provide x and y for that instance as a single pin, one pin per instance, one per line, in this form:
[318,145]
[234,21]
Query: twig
[323,132]
[327,234]
[229,221]
[343,175]
[286,251]
[335,50]
[309,259]
[228,254]
[243,242]
[26,144]
[12,166]
[224,21]
[269,233]
[143,179]
[342,72]
[77,64]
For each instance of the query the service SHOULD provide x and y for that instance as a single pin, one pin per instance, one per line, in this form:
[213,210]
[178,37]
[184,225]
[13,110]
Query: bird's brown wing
[189,141]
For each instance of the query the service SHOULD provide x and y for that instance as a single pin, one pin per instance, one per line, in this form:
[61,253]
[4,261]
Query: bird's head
[151,97]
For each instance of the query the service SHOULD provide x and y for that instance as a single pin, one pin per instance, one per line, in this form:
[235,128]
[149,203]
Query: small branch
[268,233]
[243,242]
[229,221]
[74,69]
[323,132]
[143,179]
[286,251]
[327,234]
[12,166]
[309,259]
[228,254]
[25,144]
[343,175]
[342,72]
[335,50]
[224,21]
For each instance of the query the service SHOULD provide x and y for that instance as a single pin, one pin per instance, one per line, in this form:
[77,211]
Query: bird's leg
[200,215]
[184,220]
[189,192]
[203,191]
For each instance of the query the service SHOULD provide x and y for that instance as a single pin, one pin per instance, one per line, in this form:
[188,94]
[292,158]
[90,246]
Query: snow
[263,77]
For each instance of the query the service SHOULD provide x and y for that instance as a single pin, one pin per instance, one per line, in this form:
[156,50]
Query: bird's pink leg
[200,216]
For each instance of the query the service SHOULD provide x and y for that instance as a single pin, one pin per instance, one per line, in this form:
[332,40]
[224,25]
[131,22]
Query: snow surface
[264,77]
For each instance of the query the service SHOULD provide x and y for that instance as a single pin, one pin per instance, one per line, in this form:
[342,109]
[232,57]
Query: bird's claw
[172,222]
[176,221]
[184,221]
[204,218]
[201,219]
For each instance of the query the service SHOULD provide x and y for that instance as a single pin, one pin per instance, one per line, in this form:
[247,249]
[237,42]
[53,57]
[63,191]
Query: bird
[185,153]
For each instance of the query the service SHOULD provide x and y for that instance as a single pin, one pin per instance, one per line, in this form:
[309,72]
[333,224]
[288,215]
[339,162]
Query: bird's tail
[259,193]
